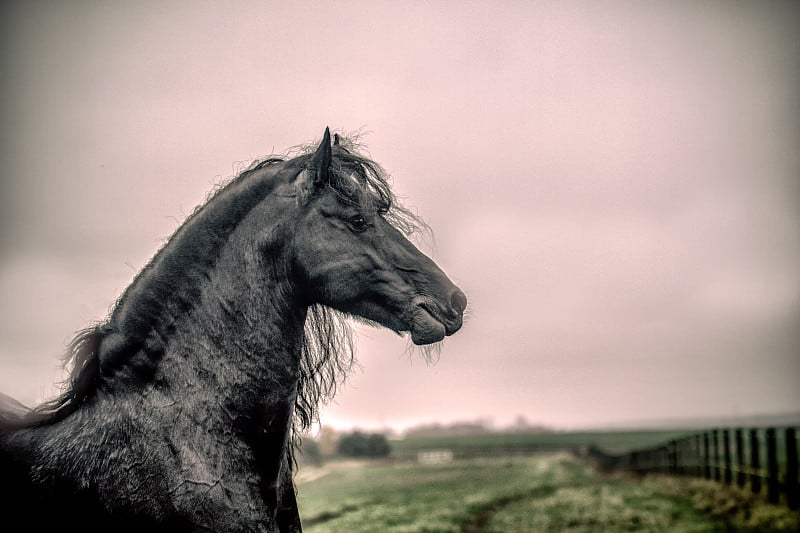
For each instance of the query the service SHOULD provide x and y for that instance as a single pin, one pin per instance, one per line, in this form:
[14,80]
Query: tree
[358,444]
[309,451]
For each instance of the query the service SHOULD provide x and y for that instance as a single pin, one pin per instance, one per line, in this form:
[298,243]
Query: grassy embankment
[543,493]
[552,492]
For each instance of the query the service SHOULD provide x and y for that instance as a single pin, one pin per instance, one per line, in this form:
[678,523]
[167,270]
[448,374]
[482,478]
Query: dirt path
[308,473]
[324,517]
[479,522]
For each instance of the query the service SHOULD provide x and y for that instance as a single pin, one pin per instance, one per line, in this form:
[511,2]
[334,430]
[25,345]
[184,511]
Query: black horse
[182,409]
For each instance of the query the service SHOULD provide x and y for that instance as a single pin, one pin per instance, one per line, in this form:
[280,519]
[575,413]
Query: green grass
[541,493]
[494,444]
[609,506]
[612,442]
[742,509]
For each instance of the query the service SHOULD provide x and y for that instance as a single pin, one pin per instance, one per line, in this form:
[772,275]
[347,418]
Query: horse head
[350,256]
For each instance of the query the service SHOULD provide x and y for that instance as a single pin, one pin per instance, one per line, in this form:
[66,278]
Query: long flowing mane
[327,351]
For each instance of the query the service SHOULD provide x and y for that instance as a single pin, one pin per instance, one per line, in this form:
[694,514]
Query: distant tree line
[310,452]
[477,427]
[358,444]
[353,444]
[456,429]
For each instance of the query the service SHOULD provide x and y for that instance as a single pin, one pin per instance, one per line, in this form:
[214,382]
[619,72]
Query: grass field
[492,444]
[612,442]
[553,492]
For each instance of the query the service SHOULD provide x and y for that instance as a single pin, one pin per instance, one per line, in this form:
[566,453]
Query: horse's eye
[358,223]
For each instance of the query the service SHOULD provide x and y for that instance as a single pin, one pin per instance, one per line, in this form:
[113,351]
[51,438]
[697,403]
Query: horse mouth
[426,328]
[431,322]
[423,319]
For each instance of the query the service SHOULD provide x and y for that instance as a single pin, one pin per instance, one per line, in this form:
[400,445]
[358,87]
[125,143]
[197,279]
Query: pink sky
[615,186]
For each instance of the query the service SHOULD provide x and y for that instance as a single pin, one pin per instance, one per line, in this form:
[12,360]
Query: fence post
[773,494]
[726,449]
[715,440]
[672,457]
[740,477]
[792,491]
[706,457]
[755,462]
[683,455]
[661,460]
[697,471]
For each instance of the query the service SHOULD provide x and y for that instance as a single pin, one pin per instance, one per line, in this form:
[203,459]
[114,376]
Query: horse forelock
[362,182]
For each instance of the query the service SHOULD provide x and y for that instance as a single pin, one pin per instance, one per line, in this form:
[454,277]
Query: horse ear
[321,160]
[317,173]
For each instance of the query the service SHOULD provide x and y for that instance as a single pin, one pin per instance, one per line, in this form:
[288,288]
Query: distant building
[429,457]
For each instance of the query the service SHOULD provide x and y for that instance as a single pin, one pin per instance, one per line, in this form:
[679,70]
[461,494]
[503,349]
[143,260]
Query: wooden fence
[764,459]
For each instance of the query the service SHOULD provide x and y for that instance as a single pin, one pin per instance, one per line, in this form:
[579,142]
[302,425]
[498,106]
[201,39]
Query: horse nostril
[458,301]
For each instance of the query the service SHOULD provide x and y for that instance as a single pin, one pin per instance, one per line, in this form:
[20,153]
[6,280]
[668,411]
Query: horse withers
[182,409]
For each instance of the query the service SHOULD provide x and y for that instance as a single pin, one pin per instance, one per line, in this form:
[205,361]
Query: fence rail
[760,457]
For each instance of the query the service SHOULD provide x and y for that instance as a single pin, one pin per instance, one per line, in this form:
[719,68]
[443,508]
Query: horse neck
[242,343]
[171,282]
[231,366]
[237,350]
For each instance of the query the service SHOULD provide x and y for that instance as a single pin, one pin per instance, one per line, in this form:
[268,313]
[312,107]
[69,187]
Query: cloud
[615,189]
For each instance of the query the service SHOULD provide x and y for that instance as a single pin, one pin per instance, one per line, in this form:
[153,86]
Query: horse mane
[82,357]
[328,350]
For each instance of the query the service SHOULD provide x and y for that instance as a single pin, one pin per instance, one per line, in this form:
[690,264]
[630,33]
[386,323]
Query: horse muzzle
[432,321]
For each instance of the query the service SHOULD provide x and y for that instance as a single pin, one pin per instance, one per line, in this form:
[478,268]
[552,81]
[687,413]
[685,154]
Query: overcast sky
[615,186]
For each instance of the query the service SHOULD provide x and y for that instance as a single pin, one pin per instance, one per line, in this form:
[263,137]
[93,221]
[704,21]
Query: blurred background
[615,187]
